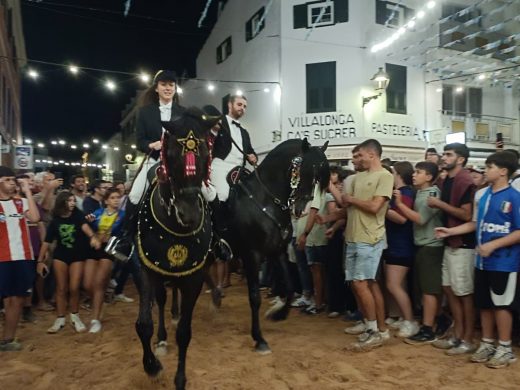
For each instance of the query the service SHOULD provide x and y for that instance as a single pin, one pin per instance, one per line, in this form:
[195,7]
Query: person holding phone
[71,232]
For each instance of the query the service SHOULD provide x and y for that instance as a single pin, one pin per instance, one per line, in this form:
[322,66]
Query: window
[224,50]
[396,91]
[334,11]
[463,103]
[396,14]
[325,9]
[255,24]
[453,9]
[321,87]
[225,101]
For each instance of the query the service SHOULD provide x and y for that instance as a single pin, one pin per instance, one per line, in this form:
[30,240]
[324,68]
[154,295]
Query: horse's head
[313,169]
[185,164]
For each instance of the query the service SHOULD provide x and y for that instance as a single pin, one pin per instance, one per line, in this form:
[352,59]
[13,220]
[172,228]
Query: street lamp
[381,80]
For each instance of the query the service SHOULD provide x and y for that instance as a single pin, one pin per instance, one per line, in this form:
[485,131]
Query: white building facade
[305,67]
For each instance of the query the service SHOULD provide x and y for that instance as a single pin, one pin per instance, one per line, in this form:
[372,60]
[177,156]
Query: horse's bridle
[190,149]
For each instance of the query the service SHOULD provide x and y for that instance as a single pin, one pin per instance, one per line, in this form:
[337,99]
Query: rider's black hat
[165,75]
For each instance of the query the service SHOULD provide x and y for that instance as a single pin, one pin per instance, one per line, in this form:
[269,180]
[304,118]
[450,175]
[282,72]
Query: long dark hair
[60,205]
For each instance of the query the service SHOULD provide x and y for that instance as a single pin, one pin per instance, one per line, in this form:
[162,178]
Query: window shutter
[341,11]
[300,16]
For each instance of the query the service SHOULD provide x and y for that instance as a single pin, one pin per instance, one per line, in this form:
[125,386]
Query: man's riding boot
[222,248]
[122,247]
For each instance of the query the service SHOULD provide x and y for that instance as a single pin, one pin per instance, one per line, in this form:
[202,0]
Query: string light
[73,69]
[28,141]
[73,147]
[430,4]
[482,76]
[86,146]
[33,74]
[110,85]
[133,147]
[211,87]
[145,78]
[61,142]
[459,89]
[54,142]
[40,145]
[95,141]
[180,90]
[239,92]
[267,90]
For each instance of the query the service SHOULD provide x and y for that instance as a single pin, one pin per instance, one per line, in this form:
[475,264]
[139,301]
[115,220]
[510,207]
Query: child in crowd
[399,255]
[496,219]
[106,222]
[428,258]
[71,231]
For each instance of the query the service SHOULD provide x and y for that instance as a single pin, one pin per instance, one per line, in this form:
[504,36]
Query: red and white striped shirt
[15,242]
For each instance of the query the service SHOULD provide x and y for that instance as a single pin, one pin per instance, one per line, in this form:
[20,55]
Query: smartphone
[500,141]
[433,194]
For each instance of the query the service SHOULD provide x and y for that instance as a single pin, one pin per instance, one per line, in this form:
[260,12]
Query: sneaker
[301,302]
[95,326]
[313,310]
[484,352]
[112,284]
[443,325]
[58,325]
[386,335]
[123,298]
[395,324]
[461,349]
[420,338]
[359,328]
[77,324]
[12,345]
[408,329]
[446,343]
[371,341]
[333,314]
[502,358]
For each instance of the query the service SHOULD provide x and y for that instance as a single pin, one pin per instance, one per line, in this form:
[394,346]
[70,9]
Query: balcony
[484,128]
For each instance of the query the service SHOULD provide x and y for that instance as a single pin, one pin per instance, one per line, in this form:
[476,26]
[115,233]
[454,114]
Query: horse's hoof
[161,349]
[263,348]
[152,367]
[280,315]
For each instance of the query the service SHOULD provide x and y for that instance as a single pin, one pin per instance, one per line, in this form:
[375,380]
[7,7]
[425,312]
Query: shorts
[69,261]
[98,254]
[362,260]
[496,290]
[428,269]
[458,270]
[397,260]
[17,278]
[316,254]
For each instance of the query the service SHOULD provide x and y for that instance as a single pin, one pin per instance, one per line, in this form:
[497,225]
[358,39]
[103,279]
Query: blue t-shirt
[498,216]
[400,236]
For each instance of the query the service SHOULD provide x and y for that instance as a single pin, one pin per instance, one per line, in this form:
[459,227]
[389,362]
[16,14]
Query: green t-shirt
[317,236]
[431,218]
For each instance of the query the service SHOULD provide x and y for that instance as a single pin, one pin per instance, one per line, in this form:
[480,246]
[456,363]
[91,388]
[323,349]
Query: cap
[211,110]
[476,170]
[165,75]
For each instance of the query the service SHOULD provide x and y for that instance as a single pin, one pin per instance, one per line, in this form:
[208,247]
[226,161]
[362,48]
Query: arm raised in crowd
[32,214]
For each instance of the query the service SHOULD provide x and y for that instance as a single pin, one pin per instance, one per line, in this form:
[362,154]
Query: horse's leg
[144,323]
[190,290]
[175,304]
[216,297]
[162,335]
[284,287]
[251,263]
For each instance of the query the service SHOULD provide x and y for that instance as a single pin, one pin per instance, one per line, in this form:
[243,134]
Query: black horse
[259,208]
[174,232]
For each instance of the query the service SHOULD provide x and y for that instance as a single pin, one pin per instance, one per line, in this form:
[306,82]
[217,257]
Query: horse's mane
[282,149]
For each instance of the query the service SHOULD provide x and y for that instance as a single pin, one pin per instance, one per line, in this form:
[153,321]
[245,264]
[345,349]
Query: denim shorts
[362,260]
[316,254]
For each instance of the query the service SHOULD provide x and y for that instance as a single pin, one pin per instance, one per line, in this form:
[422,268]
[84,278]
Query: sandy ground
[308,353]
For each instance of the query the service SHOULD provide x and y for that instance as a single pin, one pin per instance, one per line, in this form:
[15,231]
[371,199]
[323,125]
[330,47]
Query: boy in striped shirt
[17,265]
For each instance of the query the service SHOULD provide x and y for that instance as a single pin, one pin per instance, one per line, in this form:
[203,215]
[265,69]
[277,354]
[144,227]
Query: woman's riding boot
[222,248]
[121,247]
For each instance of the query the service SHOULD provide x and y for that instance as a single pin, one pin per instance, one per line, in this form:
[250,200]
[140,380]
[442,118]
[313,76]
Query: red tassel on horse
[190,169]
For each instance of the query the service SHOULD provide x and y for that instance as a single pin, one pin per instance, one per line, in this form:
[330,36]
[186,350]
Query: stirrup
[112,249]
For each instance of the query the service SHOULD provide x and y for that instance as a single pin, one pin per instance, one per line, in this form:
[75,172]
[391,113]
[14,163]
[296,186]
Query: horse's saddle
[236,174]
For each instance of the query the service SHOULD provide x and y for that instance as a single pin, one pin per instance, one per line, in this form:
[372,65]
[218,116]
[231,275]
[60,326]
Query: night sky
[96,34]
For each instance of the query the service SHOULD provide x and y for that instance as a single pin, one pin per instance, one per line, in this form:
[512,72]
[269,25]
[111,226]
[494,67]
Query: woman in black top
[71,232]
[160,104]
